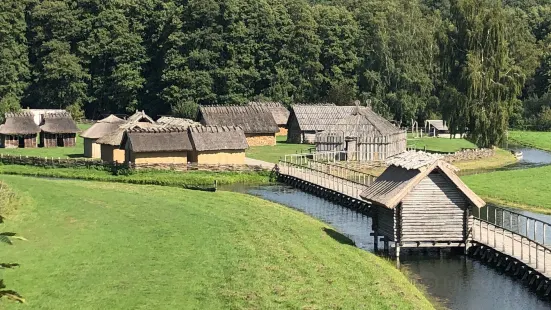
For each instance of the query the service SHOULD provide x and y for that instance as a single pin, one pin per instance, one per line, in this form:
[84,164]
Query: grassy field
[272,154]
[537,139]
[526,188]
[440,144]
[152,177]
[76,151]
[99,245]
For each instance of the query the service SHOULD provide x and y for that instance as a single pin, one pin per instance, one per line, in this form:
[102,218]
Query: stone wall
[261,139]
[471,154]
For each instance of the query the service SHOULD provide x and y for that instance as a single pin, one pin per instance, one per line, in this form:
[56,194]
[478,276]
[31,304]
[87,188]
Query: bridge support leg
[375,242]
[397,248]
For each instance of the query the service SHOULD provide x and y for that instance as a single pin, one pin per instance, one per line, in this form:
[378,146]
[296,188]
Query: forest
[482,65]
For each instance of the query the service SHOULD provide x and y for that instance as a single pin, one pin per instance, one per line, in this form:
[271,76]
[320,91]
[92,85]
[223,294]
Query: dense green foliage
[471,62]
[115,246]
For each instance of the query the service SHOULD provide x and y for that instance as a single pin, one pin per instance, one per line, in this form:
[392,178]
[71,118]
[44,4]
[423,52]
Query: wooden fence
[362,148]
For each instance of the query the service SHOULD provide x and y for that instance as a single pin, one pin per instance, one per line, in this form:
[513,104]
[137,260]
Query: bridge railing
[334,157]
[513,244]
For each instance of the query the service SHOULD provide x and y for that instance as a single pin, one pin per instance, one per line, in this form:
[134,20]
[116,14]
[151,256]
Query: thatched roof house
[169,121]
[19,130]
[58,129]
[306,120]
[363,135]
[424,195]
[157,145]
[218,145]
[257,122]
[112,149]
[98,130]
[279,112]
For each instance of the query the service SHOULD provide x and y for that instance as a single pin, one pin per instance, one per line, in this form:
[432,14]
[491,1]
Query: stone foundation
[472,154]
[261,139]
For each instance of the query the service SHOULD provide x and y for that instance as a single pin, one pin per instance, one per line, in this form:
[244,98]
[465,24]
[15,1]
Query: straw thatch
[279,112]
[61,122]
[140,116]
[405,172]
[103,127]
[20,123]
[168,121]
[214,138]
[363,122]
[318,117]
[252,119]
[145,140]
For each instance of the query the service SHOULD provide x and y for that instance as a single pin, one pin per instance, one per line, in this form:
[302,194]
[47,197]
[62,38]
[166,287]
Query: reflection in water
[459,282]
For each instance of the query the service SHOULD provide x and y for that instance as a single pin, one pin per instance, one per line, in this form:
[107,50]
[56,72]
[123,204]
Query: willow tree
[483,78]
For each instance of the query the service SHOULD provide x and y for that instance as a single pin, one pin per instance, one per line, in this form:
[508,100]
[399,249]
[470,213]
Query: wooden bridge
[510,241]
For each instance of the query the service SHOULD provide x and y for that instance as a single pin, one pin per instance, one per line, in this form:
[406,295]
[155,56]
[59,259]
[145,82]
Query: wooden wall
[433,211]
[7,141]
[363,148]
[385,223]
[91,148]
[111,153]
[159,158]
[51,139]
[294,134]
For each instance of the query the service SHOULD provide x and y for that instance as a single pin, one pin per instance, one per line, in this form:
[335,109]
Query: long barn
[306,120]
[420,202]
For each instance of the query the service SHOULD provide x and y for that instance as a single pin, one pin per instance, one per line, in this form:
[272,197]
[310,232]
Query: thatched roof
[279,112]
[168,121]
[363,122]
[141,140]
[61,122]
[438,124]
[19,123]
[405,172]
[103,127]
[115,137]
[319,117]
[141,117]
[252,119]
[214,138]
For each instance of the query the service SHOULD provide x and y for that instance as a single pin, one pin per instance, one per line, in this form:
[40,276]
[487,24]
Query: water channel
[456,281]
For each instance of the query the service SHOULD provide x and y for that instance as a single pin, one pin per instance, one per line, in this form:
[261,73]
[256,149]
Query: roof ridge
[18,114]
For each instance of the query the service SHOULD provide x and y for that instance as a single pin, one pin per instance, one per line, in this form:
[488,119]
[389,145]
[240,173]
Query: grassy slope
[540,140]
[155,177]
[272,154]
[63,152]
[440,144]
[111,246]
[500,159]
[526,188]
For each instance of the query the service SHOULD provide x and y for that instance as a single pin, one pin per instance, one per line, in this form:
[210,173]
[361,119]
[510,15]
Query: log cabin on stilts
[419,202]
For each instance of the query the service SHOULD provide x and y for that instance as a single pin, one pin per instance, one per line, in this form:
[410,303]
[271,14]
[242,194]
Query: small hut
[218,145]
[157,146]
[58,129]
[98,130]
[257,122]
[19,130]
[419,201]
[437,128]
[364,136]
[279,112]
[306,120]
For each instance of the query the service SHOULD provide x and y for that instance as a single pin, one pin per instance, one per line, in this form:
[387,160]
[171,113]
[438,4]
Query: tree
[483,79]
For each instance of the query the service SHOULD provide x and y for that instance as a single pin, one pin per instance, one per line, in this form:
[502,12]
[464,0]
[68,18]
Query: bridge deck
[325,180]
[520,247]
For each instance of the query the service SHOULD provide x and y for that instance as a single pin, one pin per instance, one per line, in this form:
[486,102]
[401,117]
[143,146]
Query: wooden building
[437,128]
[364,136]
[157,146]
[419,201]
[257,122]
[111,146]
[306,120]
[19,130]
[217,145]
[279,112]
[98,130]
[58,129]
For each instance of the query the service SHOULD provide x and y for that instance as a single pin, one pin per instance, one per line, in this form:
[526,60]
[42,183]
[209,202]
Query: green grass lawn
[95,245]
[152,177]
[272,154]
[76,151]
[444,145]
[525,188]
[537,139]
